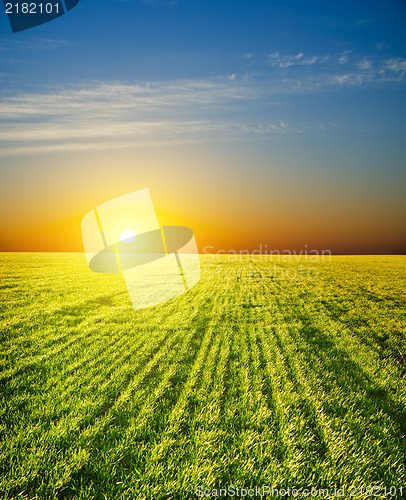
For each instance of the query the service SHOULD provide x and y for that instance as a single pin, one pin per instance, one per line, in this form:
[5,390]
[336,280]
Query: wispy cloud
[109,99]
[364,64]
[284,61]
[397,65]
[344,58]
[116,115]
[307,73]
[101,115]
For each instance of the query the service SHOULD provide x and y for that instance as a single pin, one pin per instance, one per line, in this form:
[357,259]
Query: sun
[127,236]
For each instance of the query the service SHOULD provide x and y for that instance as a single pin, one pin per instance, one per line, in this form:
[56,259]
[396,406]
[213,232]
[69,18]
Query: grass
[249,379]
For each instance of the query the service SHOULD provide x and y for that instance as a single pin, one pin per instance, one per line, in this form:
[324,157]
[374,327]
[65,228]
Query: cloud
[116,115]
[300,73]
[396,64]
[276,60]
[110,99]
[344,58]
[103,115]
[309,61]
[364,64]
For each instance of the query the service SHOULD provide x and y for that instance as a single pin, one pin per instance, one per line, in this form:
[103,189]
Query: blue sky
[312,92]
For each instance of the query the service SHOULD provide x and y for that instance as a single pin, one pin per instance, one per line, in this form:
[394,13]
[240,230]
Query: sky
[258,124]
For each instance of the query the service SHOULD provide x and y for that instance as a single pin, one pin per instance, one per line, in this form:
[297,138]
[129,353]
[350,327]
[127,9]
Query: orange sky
[227,212]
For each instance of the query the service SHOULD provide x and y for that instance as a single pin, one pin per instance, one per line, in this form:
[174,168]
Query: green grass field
[249,379]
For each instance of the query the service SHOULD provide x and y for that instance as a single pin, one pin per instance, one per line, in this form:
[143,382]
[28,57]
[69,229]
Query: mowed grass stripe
[88,411]
[89,324]
[256,380]
[179,422]
[46,438]
[177,369]
[93,368]
[76,348]
[350,448]
[95,407]
[140,430]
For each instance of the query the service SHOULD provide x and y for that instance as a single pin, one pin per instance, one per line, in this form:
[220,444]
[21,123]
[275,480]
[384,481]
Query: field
[252,378]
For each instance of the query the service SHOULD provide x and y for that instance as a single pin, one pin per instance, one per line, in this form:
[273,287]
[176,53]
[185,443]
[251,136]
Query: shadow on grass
[82,308]
[350,376]
[151,430]
[302,405]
